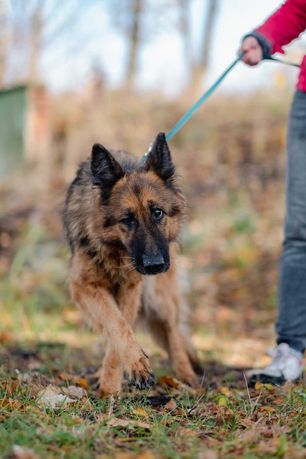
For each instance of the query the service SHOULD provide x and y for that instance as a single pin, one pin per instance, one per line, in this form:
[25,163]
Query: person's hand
[252,51]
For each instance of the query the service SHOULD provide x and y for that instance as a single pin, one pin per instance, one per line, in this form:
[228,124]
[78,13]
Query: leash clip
[144,157]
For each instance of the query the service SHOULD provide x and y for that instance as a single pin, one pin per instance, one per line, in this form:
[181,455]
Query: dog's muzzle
[154,264]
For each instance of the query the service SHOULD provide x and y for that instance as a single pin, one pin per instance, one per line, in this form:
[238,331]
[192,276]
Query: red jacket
[282,27]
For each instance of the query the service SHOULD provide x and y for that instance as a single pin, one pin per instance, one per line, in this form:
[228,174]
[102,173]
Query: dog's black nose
[153,264]
[149,260]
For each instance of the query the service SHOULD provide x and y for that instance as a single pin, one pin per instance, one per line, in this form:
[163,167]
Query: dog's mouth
[151,270]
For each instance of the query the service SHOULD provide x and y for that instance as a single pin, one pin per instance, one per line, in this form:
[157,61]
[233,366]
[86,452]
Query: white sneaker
[286,365]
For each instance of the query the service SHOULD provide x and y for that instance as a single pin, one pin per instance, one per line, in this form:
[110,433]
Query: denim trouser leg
[291,323]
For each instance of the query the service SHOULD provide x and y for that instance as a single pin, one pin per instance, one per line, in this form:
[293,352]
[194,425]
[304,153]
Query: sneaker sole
[267,379]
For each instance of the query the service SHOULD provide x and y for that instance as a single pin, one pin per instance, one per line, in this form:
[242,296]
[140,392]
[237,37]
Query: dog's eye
[130,221]
[157,214]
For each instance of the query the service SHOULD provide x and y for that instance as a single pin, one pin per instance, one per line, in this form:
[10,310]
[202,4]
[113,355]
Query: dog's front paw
[139,372]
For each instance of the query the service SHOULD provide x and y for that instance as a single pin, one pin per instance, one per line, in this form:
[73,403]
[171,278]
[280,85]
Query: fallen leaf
[186,433]
[266,409]
[225,391]
[51,397]
[145,455]
[141,412]
[23,453]
[5,337]
[124,456]
[11,404]
[208,454]
[35,389]
[83,383]
[171,405]
[169,382]
[222,401]
[66,376]
[117,422]
[74,392]
[11,386]
[24,378]
[131,455]
[260,386]
[34,364]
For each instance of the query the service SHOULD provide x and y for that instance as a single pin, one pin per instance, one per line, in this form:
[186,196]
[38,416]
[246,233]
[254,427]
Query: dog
[122,219]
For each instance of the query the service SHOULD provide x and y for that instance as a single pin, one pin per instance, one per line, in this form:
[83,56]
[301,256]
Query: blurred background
[118,72]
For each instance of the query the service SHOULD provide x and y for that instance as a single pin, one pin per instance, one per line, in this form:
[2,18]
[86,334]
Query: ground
[224,419]
[232,169]
[49,402]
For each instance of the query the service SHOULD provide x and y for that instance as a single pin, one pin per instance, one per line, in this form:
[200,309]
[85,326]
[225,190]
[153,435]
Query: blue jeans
[291,323]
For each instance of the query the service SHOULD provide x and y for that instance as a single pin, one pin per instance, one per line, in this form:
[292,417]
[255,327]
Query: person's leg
[291,323]
[287,357]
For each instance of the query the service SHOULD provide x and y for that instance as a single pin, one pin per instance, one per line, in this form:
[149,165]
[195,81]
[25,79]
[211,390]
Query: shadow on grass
[48,361]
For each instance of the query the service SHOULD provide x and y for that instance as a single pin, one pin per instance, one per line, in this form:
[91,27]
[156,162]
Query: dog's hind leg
[179,357]
[168,335]
[192,355]
[184,327]
[162,316]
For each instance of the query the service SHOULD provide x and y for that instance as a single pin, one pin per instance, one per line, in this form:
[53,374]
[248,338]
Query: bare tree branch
[201,65]
[210,19]
[134,42]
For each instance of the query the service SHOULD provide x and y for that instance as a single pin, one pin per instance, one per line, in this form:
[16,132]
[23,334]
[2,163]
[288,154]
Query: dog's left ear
[159,158]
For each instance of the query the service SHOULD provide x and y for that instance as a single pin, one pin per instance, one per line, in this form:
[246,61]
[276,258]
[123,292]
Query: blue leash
[195,107]
[275,59]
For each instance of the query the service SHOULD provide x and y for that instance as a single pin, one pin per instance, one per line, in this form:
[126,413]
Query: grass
[43,344]
[227,421]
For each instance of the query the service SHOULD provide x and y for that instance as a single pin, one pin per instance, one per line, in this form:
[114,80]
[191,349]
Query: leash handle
[276,59]
[186,117]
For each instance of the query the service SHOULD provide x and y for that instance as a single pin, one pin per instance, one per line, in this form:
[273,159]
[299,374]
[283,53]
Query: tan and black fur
[122,218]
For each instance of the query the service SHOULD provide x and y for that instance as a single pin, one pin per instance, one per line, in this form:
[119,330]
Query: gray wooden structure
[13,128]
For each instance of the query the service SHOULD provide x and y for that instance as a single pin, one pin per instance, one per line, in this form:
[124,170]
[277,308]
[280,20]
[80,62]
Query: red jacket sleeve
[284,25]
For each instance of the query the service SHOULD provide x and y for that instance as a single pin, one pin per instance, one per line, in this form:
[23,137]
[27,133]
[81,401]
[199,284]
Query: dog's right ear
[106,171]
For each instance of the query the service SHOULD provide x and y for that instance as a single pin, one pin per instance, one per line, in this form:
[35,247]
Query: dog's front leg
[136,367]
[123,351]
[129,297]
[111,372]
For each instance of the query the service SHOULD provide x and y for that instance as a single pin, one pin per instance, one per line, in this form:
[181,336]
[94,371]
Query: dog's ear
[159,159]
[106,171]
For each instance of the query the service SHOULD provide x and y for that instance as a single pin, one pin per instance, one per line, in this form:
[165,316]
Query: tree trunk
[201,66]
[185,31]
[4,41]
[134,41]
[35,44]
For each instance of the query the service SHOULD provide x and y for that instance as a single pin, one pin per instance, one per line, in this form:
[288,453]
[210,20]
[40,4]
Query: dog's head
[142,205]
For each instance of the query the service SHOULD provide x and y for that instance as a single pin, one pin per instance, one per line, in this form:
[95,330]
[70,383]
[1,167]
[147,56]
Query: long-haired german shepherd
[122,218]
